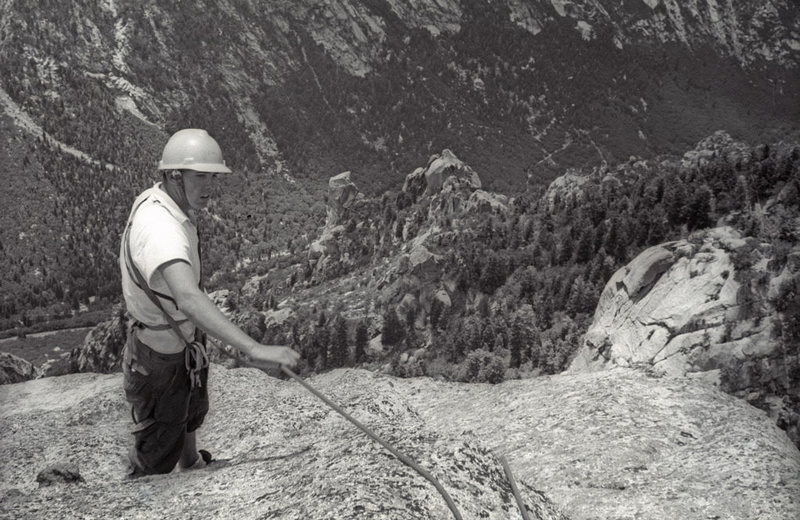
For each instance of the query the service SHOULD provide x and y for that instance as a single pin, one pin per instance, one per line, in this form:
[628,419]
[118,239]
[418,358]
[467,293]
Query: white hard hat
[192,149]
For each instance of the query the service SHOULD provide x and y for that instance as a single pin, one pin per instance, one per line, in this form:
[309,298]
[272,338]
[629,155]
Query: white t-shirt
[160,232]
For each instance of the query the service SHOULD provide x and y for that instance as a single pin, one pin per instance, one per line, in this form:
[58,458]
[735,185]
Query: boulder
[102,349]
[665,308]
[220,299]
[375,346]
[59,473]
[55,367]
[423,264]
[789,194]
[278,323]
[408,304]
[14,369]
[444,298]
[415,182]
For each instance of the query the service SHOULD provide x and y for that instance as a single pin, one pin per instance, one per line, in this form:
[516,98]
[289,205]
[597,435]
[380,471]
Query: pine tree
[583,252]
[320,347]
[565,250]
[516,342]
[362,340]
[437,306]
[392,331]
[698,209]
[338,351]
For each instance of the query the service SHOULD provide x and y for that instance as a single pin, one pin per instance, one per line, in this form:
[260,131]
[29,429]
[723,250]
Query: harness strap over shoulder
[132,267]
[196,355]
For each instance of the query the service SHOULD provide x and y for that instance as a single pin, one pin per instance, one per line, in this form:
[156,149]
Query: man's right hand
[274,354]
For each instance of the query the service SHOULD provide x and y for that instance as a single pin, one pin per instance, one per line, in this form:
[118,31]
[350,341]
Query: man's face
[199,187]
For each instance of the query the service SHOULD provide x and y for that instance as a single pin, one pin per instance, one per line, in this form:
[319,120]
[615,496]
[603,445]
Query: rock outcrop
[567,186]
[446,189]
[14,369]
[341,194]
[683,308]
[612,444]
[332,246]
[622,444]
[719,144]
[102,350]
[444,172]
[669,308]
[281,453]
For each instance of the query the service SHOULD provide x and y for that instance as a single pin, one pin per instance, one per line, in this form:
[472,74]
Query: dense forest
[527,279]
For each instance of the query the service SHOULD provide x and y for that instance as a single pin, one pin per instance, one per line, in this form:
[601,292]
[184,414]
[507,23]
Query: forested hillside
[522,279]
[296,92]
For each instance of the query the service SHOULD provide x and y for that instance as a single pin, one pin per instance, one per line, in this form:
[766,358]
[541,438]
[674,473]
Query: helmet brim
[198,167]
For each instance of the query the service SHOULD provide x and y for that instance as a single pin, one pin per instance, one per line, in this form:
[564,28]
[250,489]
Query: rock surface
[669,307]
[620,444]
[706,307]
[445,172]
[341,193]
[282,453]
[614,444]
[14,369]
[102,350]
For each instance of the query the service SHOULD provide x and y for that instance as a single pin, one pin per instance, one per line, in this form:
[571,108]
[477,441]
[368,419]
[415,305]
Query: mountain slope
[299,91]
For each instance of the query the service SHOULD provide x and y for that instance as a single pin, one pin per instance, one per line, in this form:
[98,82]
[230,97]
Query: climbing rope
[403,458]
[517,497]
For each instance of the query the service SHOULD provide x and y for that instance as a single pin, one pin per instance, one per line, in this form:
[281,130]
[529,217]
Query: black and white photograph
[400,259]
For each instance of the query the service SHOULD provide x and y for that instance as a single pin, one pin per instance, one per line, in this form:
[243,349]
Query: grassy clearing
[49,345]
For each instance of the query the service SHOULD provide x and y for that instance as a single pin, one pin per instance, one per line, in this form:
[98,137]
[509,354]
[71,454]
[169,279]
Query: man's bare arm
[204,314]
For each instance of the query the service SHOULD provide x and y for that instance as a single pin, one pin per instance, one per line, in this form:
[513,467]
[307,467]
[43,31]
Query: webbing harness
[196,355]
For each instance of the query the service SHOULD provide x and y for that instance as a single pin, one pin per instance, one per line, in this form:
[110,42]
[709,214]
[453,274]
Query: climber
[165,362]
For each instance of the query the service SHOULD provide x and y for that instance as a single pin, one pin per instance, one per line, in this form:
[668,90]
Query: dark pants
[164,405]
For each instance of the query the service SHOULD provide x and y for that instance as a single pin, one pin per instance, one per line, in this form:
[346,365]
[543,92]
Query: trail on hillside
[24,121]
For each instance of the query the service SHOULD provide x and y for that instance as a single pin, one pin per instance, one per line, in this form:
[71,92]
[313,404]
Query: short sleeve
[157,238]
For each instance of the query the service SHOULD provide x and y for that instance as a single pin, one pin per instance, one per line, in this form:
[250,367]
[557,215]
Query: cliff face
[663,307]
[709,307]
[126,50]
[607,444]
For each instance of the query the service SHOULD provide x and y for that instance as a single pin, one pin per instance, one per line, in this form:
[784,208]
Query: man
[165,365]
